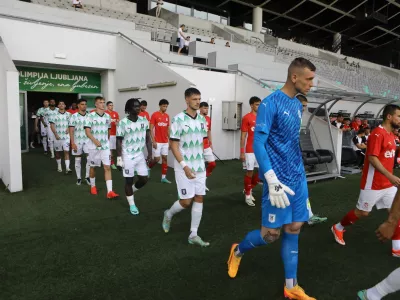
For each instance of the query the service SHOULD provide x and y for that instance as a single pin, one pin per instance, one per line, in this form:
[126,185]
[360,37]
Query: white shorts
[251,161]
[162,149]
[61,145]
[113,142]
[50,134]
[380,198]
[81,148]
[43,130]
[188,188]
[135,164]
[209,155]
[96,157]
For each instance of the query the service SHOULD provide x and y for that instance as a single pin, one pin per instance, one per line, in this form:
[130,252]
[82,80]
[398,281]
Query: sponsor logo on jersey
[183,191]
[252,128]
[162,124]
[390,154]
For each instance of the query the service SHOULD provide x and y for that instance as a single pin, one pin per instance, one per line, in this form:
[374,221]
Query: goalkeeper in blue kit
[285,193]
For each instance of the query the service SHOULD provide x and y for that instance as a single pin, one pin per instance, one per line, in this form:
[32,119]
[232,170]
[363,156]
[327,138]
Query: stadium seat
[310,155]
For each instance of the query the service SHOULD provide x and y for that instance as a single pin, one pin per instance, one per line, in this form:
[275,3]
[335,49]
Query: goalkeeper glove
[277,190]
[120,163]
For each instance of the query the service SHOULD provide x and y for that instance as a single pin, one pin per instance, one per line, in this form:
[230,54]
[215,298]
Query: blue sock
[253,239]
[290,255]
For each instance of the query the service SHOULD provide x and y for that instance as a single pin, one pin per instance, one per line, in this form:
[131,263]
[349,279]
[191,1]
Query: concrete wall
[10,150]
[228,56]
[200,49]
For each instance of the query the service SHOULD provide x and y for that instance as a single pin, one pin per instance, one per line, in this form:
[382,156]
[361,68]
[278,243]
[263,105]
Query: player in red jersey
[73,109]
[143,112]
[378,184]
[159,131]
[113,131]
[246,150]
[207,143]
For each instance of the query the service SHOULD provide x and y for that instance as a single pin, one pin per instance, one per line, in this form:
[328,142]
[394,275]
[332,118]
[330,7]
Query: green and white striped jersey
[134,135]
[99,125]
[190,132]
[48,114]
[78,121]
[61,121]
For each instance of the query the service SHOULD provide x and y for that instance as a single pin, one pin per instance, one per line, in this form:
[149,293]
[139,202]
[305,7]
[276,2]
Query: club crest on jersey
[127,171]
[202,126]
[271,218]
[142,125]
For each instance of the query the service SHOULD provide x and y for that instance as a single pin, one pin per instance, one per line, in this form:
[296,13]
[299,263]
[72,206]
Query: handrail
[144,49]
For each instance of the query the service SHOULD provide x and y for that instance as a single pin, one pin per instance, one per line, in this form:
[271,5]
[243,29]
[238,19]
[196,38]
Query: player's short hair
[390,110]
[52,99]
[302,98]
[191,91]
[254,99]
[81,100]
[129,104]
[60,101]
[301,63]
[339,115]
[203,104]
[143,103]
[163,102]
[361,131]
[45,100]
[98,98]
[109,102]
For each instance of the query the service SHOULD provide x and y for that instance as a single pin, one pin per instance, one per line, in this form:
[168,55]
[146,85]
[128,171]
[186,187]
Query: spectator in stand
[227,45]
[182,38]
[212,41]
[187,41]
[77,4]
[346,125]
[158,9]
[367,132]
[339,121]
[73,109]
[364,123]
[359,147]
[356,124]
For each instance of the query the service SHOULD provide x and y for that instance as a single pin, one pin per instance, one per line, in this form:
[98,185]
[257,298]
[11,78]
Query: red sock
[152,164]
[164,169]
[210,168]
[349,219]
[396,235]
[247,185]
[254,180]
[112,161]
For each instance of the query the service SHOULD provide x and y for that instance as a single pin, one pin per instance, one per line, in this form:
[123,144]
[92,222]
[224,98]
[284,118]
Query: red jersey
[161,124]
[382,145]
[206,142]
[72,111]
[355,126]
[114,119]
[145,114]
[248,124]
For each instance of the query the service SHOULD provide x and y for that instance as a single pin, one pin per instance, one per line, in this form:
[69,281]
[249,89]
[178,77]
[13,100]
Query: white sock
[131,200]
[87,168]
[339,226]
[396,245]
[289,283]
[197,211]
[163,176]
[58,163]
[175,208]
[52,151]
[93,182]
[310,213]
[134,188]
[67,164]
[109,185]
[389,285]
[78,161]
[44,142]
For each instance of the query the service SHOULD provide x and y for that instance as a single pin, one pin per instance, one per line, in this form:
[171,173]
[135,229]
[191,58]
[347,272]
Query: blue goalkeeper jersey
[276,137]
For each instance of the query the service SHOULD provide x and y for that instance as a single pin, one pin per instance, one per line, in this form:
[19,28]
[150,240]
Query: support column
[257,19]
[337,43]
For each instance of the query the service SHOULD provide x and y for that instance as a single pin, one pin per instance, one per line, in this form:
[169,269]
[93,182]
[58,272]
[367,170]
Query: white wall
[200,49]
[10,150]
[30,42]
[225,57]
[108,85]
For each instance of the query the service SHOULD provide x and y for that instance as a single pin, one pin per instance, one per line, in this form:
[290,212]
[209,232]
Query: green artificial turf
[59,242]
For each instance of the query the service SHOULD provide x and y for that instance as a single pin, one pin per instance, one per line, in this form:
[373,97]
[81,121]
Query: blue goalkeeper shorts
[273,217]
